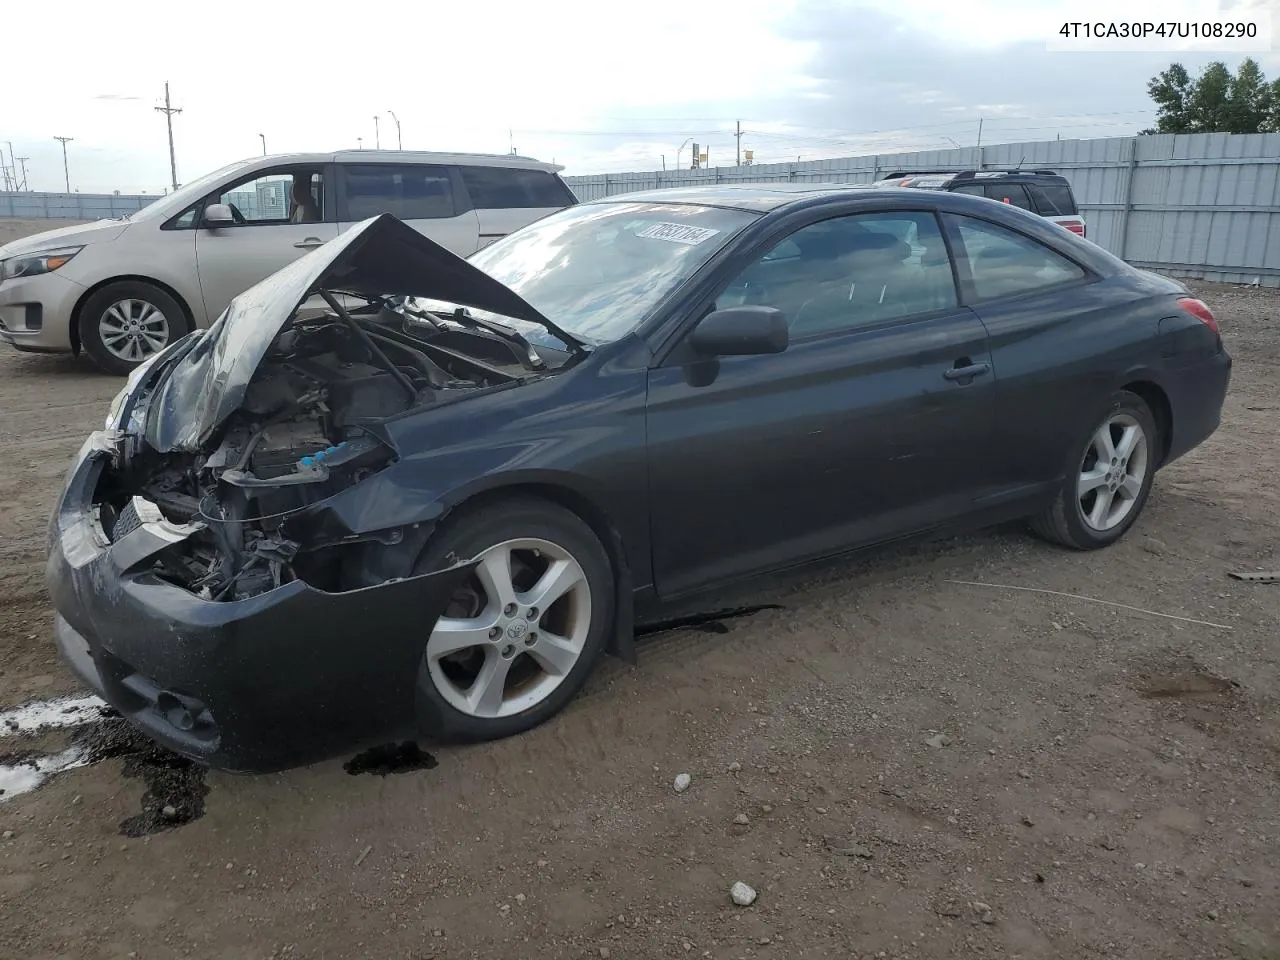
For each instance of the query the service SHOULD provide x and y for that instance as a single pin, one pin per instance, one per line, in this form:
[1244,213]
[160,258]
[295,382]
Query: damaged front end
[280,406]
[193,588]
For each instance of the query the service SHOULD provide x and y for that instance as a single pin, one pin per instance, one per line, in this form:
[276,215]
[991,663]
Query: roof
[755,197]
[409,156]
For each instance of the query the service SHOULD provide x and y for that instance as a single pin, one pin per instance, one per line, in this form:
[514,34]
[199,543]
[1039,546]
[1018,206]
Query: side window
[973,189]
[505,188]
[407,191]
[281,196]
[1004,263]
[1013,193]
[849,272]
[1054,199]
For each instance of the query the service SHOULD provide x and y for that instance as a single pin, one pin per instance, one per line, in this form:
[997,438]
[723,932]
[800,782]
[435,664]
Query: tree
[1216,101]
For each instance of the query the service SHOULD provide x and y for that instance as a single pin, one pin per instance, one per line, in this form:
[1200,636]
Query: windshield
[187,194]
[596,270]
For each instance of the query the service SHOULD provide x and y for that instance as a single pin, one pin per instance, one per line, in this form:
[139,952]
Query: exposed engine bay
[305,431]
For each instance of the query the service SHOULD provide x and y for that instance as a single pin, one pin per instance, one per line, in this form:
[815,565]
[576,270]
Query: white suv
[122,289]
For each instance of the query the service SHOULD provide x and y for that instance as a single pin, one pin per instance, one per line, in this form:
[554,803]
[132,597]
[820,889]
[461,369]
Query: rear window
[410,192]
[1054,199]
[504,188]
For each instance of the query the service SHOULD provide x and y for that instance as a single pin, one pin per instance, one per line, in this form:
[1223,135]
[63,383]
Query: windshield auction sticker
[677,233]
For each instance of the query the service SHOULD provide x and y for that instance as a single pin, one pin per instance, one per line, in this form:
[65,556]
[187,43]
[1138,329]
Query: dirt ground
[1105,783]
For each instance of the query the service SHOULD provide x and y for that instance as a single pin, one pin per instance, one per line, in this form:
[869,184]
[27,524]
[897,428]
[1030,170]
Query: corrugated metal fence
[1200,205]
[69,206]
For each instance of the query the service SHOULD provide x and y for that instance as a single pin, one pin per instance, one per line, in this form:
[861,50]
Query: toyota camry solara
[392,493]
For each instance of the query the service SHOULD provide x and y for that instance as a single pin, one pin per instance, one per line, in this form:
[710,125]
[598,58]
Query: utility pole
[399,144]
[263,137]
[979,132]
[377,138]
[738,136]
[168,112]
[66,171]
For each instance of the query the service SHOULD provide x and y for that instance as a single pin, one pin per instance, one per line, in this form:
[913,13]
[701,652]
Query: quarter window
[407,191]
[849,272]
[1012,193]
[504,188]
[1005,263]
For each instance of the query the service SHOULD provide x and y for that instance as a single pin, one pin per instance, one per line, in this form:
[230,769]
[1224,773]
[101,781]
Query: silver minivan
[122,289]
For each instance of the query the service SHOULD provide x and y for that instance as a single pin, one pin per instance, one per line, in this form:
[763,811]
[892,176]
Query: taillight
[1199,310]
[1075,226]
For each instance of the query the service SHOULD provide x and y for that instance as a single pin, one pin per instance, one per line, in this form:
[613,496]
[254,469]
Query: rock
[1025,774]
[938,741]
[505,909]
[988,917]
[742,895]
[604,951]
[682,782]
[767,808]
[169,811]
[980,907]
[1028,822]
[8,835]
[735,767]
[1106,843]
[520,898]
[741,819]
[851,850]
[773,771]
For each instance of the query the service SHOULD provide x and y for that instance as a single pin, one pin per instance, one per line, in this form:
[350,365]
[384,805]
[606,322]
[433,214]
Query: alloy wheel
[132,330]
[1112,472]
[513,633]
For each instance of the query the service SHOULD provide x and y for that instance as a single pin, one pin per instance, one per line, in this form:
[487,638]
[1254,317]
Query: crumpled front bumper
[287,677]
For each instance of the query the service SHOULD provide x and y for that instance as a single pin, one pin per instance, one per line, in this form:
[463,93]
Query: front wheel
[1108,480]
[520,637]
[128,322]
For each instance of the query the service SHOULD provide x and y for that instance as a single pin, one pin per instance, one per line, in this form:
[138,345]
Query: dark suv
[1045,192]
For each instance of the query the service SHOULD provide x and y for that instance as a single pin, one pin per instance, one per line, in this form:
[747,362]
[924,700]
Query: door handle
[310,243]
[967,372]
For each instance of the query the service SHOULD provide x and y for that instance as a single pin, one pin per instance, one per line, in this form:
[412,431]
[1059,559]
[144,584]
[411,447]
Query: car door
[874,422]
[426,196]
[508,198]
[264,238]
[1044,315]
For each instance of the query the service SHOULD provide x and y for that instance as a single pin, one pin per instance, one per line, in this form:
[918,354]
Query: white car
[120,290]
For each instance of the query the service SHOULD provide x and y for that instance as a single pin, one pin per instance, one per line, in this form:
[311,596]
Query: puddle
[52,714]
[706,622]
[391,758]
[22,773]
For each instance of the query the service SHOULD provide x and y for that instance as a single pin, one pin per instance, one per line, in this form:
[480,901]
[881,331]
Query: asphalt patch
[391,758]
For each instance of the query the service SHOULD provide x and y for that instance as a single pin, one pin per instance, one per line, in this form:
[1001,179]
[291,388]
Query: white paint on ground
[24,776]
[51,714]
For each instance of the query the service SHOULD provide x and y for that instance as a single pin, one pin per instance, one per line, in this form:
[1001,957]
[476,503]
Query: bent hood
[381,256]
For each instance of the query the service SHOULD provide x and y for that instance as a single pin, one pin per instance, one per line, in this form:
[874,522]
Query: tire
[1065,521]
[449,709]
[152,310]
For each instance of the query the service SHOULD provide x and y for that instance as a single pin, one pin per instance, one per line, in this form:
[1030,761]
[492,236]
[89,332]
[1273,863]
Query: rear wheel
[1108,480]
[520,637]
[128,322]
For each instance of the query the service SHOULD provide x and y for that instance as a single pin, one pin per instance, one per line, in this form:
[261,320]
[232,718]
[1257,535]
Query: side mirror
[217,215]
[740,332]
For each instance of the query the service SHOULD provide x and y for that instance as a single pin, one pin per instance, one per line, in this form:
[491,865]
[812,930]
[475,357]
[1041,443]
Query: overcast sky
[595,89]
